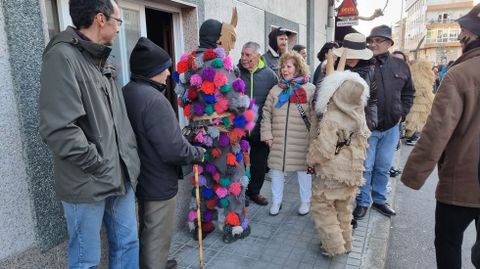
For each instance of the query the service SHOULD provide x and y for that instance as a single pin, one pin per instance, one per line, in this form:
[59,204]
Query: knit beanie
[272,37]
[210,33]
[148,59]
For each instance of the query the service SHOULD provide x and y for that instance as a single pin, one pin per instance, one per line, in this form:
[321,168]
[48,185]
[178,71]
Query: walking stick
[199,220]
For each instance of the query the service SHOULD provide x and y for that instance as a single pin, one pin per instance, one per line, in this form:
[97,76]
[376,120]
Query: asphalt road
[412,232]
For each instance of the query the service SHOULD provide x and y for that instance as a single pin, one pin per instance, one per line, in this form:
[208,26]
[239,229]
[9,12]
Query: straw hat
[356,46]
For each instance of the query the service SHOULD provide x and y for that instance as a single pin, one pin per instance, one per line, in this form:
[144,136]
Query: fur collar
[331,83]
[273,52]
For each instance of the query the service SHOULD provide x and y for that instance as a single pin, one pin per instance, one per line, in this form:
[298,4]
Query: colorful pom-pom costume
[219,115]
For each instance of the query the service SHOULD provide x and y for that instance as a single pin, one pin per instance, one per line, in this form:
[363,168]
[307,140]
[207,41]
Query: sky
[392,14]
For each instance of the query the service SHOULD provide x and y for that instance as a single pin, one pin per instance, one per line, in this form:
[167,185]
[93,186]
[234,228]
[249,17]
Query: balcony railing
[432,21]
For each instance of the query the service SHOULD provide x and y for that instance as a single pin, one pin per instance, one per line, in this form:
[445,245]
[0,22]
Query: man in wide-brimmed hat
[395,97]
[451,138]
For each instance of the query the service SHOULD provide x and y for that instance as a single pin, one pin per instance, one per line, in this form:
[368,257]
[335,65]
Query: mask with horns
[228,36]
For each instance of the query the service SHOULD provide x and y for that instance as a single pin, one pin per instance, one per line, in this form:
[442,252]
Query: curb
[370,244]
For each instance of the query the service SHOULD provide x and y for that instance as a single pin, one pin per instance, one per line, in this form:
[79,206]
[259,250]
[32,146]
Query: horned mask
[228,36]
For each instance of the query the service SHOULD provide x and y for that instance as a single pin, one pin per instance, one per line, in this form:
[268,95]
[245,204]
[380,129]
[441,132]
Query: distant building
[431,31]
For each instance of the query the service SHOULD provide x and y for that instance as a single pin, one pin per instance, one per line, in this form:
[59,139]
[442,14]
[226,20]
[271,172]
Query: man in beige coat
[451,138]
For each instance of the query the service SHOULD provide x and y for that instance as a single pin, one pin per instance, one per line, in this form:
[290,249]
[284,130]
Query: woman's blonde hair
[298,61]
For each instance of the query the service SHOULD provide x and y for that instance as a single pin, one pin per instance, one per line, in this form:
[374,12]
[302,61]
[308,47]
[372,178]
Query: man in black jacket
[395,92]
[259,79]
[162,150]
[277,45]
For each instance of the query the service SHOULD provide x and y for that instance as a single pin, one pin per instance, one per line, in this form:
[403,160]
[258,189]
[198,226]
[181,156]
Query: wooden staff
[199,220]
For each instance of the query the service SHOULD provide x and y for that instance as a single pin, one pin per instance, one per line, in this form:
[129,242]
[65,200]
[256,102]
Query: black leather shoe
[384,209]
[171,264]
[259,199]
[359,212]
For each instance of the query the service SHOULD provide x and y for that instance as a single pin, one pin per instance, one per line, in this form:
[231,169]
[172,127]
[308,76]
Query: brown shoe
[259,199]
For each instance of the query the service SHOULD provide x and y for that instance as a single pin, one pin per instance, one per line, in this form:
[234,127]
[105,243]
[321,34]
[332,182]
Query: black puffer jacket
[367,71]
[161,146]
[257,86]
[395,90]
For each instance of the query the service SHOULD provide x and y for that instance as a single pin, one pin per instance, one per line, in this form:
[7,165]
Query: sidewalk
[286,240]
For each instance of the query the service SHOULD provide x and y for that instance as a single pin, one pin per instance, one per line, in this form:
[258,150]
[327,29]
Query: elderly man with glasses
[395,92]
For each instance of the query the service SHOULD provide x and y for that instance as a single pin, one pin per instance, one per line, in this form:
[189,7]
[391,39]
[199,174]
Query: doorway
[160,31]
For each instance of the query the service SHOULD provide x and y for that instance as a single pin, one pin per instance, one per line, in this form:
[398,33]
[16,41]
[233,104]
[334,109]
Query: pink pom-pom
[249,125]
[220,79]
[184,57]
[221,105]
[221,192]
[216,177]
[192,215]
[235,188]
[249,115]
[196,80]
[199,137]
[227,63]
[200,169]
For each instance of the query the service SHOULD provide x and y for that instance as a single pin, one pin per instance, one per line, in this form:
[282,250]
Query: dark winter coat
[258,85]
[451,137]
[367,72]
[271,59]
[84,122]
[161,146]
[395,90]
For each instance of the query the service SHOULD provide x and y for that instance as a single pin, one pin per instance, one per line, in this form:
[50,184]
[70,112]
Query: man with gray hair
[259,79]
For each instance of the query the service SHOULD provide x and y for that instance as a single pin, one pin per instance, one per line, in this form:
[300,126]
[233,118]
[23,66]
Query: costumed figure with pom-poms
[219,113]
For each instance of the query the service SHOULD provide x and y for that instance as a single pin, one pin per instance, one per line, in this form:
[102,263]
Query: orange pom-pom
[235,188]
[249,115]
[187,111]
[208,87]
[221,105]
[246,158]
[232,219]
[216,152]
[233,137]
[231,159]
[182,66]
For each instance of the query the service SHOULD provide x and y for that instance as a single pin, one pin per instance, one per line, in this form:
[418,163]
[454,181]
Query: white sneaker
[304,209]
[275,209]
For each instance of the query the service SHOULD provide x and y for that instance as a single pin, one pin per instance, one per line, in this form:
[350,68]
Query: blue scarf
[289,87]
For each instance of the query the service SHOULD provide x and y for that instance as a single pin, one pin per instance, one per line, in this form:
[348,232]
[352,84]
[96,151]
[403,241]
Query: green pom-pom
[194,193]
[225,88]
[225,182]
[209,110]
[247,173]
[217,63]
[206,156]
[226,122]
[224,203]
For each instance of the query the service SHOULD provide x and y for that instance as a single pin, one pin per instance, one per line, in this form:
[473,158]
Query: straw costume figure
[337,153]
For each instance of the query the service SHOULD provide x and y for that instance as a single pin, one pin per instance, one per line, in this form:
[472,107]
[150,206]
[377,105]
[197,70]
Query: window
[52,17]
[453,35]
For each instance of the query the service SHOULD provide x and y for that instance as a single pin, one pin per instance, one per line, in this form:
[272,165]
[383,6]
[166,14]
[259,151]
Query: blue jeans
[84,221]
[381,148]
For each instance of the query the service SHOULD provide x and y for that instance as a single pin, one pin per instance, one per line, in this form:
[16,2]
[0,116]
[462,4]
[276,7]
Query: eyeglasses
[376,40]
[119,21]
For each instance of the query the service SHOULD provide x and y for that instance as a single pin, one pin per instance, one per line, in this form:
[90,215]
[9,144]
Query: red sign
[347,9]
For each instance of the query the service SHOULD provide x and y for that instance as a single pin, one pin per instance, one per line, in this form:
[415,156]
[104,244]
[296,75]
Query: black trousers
[258,166]
[450,223]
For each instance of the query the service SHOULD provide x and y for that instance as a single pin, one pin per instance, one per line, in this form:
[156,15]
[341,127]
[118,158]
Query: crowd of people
[337,130]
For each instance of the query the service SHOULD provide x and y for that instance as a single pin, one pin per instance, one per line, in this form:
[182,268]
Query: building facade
[431,30]
[32,227]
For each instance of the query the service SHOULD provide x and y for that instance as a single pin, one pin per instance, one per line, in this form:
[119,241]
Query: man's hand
[269,142]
